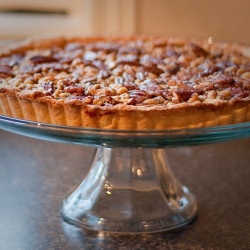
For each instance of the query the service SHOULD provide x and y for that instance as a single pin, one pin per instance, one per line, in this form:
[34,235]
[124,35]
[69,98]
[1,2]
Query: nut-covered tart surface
[126,82]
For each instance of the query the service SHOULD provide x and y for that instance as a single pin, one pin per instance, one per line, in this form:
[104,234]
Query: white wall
[227,20]
[222,19]
[77,18]
[83,17]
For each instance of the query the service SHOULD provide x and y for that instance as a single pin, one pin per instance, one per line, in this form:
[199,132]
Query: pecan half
[139,95]
[185,94]
[130,85]
[152,69]
[77,90]
[49,87]
[5,72]
[42,59]
[199,51]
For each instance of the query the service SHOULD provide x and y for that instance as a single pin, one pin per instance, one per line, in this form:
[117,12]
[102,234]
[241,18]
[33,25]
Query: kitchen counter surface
[36,174]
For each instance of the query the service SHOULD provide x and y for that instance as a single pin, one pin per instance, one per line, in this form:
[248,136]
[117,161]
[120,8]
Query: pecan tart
[126,82]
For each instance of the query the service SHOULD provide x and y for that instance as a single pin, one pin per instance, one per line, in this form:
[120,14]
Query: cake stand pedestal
[129,190]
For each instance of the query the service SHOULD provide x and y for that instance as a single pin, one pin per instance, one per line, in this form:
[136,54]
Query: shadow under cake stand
[129,187]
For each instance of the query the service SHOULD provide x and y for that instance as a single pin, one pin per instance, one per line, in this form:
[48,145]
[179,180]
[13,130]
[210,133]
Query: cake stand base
[129,190]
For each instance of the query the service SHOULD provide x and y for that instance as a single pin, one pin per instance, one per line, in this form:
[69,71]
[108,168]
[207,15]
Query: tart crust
[35,105]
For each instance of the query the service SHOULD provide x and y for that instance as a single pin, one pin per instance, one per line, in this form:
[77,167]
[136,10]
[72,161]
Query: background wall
[33,17]
[222,19]
[226,20]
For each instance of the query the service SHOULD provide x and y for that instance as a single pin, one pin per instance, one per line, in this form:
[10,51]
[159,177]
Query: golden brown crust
[99,102]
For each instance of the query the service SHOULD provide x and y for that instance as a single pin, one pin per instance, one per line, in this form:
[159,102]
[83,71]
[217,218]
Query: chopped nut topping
[135,72]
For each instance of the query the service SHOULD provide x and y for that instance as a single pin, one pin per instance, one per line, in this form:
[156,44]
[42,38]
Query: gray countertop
[35,175]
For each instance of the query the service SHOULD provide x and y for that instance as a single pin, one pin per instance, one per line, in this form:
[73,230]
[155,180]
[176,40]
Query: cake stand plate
[129,187]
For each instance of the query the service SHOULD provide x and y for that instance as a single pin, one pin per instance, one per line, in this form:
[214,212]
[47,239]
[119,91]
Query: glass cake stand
[129,187]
